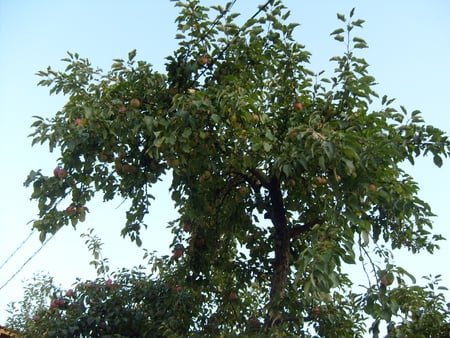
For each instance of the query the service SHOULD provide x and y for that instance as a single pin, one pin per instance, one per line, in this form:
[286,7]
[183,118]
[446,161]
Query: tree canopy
[281,176]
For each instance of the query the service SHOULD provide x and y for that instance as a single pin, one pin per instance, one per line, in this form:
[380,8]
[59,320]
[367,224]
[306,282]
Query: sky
[409,53]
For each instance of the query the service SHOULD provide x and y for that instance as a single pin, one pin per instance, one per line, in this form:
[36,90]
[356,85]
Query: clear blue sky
[409,55]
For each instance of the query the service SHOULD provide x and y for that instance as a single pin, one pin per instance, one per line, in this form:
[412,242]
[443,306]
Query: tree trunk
[282,253]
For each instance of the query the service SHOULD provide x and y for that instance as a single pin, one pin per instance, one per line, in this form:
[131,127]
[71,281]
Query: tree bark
[282,253]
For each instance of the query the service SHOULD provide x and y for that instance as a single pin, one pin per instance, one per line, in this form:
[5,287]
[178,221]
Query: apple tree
[281,176]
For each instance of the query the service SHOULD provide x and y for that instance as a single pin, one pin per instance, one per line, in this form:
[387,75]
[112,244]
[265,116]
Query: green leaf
[358,23]
[341,17]
[131,55]
[437,160]
[337,31]
[352,12]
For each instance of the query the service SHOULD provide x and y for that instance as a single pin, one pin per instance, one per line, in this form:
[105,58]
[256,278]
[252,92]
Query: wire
[26,262]
[18,248]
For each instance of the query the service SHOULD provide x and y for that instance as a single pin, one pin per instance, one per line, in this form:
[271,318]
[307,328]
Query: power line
[26,262]
[17,249]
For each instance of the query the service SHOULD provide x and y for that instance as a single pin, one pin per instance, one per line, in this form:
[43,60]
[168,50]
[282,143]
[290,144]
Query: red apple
[71,209]
[315,312]
[254,322]
[298,106]
[232,296]
[60,172]
[203,60]
[321,180]
[177,253]
[70,293]
[79,122]
[109,284]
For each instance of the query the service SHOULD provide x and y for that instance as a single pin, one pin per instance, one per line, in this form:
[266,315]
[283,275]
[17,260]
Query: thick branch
[282,252]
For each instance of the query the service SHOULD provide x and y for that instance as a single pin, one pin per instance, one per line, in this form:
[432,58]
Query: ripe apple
[203,60]
[372,187]
[315,312]
[129,169]
[254,322]
[109,283]
[79,122]
[255,117]
[232,296]
[135,103]
[60,172]
[321,180]
[70,293]
[71,209]
[298,106]
[177,253]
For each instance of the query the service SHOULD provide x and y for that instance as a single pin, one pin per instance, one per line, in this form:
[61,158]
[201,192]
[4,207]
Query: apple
[254,322]
[315,312]
[372,187]
[203,60]
[321,180]
[177,253]
[205,176]
[298,106]
[71,209]
[70,293]
[387,279]
[232,296]
[244,190]
[129,169]
[135,103]
[255,117]
[79,122]
[60,172]
[293,135]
